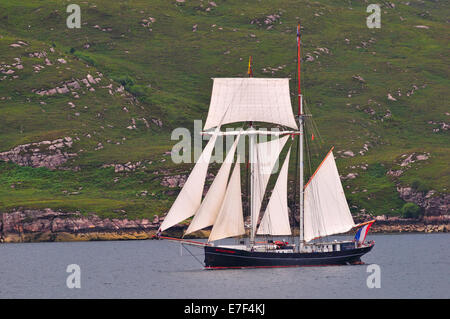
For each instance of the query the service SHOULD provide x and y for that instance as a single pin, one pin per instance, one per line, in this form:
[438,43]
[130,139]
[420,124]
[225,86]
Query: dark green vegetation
[150,48]
[411,210]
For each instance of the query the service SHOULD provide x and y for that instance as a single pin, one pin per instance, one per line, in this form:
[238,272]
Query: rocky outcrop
[49,225]
[72,86]
[442,126]
[174,181]
[409,226]
[267,21]
[433,204]
[50,154]
[412,158]
[127,167]
[25,225]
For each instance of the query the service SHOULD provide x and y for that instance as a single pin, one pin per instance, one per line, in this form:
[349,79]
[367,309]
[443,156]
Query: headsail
[276,217]
[190,196]
[326,210]
[209,209]
[267,154]
[230,221]
[250,99]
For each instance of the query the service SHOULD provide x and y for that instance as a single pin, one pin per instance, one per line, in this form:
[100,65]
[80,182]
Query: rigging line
[312,121]
[308,150]
[192,254]
[296,176]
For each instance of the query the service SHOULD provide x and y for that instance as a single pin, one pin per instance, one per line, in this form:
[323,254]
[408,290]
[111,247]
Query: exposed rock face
[127,167]
[50,154]
[174,181]
[413,158]
[49,221]
[358,78]
[391,98]
[395,173]
[50,225]
[433,204]
[266,20]
[407,226]
[349,176]
[71,85]
[442,126]
[348,153]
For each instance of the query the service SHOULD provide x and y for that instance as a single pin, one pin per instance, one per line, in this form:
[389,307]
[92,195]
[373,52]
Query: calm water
[412,266]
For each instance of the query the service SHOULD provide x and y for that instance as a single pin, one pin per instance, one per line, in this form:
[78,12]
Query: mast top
[300,111]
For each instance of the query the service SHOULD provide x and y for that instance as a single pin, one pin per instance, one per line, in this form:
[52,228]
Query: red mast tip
[298,62]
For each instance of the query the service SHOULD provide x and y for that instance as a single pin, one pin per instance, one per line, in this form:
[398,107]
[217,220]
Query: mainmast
[252,154]
[300,124]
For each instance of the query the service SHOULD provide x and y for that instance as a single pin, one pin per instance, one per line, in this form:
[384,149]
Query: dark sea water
[411,266]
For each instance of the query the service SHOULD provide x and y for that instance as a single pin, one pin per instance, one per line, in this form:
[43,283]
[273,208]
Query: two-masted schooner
[323,209]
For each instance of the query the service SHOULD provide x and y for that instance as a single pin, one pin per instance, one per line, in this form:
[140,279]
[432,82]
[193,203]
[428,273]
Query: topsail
[250,99]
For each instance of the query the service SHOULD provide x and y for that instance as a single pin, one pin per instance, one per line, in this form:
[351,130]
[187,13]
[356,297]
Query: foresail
[250,99]
[326,210]
[230,221]
[190,196]
[209,209]
[275,221]
[267,154]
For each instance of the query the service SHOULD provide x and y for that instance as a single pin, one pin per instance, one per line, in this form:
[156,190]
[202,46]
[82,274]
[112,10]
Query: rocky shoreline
[48,226]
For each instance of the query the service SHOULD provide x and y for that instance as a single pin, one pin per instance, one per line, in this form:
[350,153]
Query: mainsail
[326,210]
[230,221]
[275,221]
[250,99]
[209,209]
[190,196]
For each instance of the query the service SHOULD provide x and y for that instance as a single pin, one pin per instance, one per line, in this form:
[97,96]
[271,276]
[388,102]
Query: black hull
[218,257]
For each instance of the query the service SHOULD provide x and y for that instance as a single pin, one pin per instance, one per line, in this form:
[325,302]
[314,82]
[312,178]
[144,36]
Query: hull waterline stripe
[287,258]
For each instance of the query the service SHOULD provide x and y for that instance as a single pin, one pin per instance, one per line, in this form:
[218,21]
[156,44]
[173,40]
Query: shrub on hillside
[419,186]
[411,210]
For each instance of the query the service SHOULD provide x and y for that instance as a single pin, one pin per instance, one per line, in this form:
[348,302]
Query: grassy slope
[168,71]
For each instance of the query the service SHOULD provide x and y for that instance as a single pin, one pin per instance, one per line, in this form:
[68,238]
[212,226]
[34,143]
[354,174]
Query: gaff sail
[326,210]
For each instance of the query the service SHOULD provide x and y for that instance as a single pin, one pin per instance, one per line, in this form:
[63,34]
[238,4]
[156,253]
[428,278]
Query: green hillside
[148,67]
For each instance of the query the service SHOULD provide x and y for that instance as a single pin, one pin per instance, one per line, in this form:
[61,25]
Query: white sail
[326,210]
[267,154]
[230,221]
[209,209]
[276,217]
[190,196]
[250,99]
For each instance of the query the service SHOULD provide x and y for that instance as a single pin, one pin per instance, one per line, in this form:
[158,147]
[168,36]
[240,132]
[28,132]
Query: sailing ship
[323,209]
